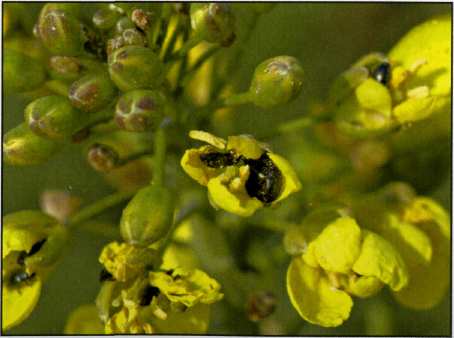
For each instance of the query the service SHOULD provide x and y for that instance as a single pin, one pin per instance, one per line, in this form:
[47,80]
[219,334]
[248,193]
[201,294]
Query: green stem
[201,60]
[159,156]
[99,206]
[237,99]
[170,39]
[295,125]
[233,100]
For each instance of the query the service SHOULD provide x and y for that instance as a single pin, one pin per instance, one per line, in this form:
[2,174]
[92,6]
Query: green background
[326,38]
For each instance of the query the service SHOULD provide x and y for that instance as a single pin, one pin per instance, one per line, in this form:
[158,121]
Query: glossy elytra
[265,178]
[382,73]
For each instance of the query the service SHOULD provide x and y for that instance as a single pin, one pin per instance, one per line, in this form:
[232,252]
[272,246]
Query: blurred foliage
[327,38]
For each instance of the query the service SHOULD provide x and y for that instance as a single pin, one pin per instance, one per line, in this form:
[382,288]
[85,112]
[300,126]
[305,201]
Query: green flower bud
[71,68]
[276,81]
[92,92]
[148,216]
[129,37]
[107,151]
[29,46]
[53,117]
[134,67]
[140,110]
[213,22]
[60,31]
[21,73]
[122,24]
[65,67]
[102,158]
[23,147]
[105,18]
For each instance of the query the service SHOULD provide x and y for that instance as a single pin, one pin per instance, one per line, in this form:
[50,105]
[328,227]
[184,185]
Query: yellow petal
[208,138]
[195,168]
[363,286]
[412,243]
[429,283]
[245,145]
[378,258]
[188,287]
[338,245]
[239,204]
[374,96]
[314,298]
[19,302]
[84,320]
[291,182]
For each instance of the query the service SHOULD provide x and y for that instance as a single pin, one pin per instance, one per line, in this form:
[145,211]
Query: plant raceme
[141,87]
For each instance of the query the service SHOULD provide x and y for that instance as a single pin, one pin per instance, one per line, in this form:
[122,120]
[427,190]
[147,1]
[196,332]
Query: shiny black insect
[148,294]
[265,179]
[218,160]
[21,277]
[382,73]
[34,249]
[106,276]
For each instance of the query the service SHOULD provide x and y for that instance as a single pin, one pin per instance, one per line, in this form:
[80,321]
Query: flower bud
[276,81]
[105,18]
[31,47]
[71,68]
[23,147]
[122,24]
[148,216]
[129,37]
[53,117]
[213,22]
[21,73]
[60,31]
[92,92]
[135,67]
[102,158]
[106,151]
[140,110]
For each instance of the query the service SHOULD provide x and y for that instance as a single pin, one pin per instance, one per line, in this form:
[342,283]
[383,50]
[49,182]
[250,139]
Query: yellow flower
[32,244]
[411,83]
[420,230]
[339,260]
[188,287]
[125,261]
[241,174]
